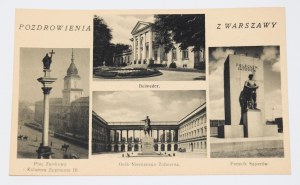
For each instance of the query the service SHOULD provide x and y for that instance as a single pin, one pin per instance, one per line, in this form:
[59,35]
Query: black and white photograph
[149,47]
[149,124]
[53,117]
[245,94]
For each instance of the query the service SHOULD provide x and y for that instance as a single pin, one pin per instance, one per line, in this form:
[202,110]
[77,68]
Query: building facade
[193,131]
[168,136]
[123,59]
[145,51]
[68,115]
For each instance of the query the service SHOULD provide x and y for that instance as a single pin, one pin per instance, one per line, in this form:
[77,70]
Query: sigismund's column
[44,150]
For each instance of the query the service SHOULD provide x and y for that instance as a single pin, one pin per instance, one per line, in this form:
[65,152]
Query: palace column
[158,135]
[144,46]
[172,140]
[133,47]
[44,151]
[150,44]
[139,47]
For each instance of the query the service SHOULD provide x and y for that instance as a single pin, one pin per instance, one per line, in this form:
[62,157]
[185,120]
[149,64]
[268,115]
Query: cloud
[271,55]
[273,104]
[136,105]
[122,26]
[217,109]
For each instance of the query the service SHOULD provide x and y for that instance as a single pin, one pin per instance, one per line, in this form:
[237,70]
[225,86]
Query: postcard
[150,92]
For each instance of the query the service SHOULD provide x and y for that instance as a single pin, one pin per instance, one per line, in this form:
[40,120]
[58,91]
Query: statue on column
[47,60]
[147,126]
[248,95]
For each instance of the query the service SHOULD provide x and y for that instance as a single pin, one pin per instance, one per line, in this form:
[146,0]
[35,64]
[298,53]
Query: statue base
[255,127]
[147,145]
[44,152]
[231,131]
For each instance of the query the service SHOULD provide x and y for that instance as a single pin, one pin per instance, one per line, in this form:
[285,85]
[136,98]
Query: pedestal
[231,131]
[255,127]
[44,152]
[147,145]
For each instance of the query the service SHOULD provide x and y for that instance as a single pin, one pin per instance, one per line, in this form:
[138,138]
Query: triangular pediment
[140,26]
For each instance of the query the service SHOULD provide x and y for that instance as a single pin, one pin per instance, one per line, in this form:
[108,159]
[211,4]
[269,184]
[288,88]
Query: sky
[269,55]
[122,25]
[126,106]
[31,68]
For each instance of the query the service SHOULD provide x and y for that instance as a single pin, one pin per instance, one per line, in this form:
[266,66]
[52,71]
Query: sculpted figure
[47,60]
[147,126]
[248,95]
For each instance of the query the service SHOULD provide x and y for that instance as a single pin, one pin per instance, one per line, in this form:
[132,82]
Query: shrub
[123,64]
[155,65]
[173,65]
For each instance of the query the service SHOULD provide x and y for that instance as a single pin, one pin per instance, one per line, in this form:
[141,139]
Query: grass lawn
[261,153]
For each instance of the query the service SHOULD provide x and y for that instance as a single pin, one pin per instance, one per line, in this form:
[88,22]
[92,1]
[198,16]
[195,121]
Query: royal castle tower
[71,89]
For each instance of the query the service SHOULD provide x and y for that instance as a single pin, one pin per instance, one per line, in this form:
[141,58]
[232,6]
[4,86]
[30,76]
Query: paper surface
[97,113]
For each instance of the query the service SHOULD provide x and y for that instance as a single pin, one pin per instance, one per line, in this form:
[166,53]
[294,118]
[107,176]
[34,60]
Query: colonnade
[130,140]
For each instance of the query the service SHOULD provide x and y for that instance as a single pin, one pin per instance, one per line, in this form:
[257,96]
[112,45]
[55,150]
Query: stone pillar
[133,135]
[112,147]
[126,135]
[164,136]
[139,47]
[144,47]
[172,147]
[158,136]
[158,147]
[150,44]
[132,148]
[46,91]
[44,151]
[126,147]
[172,136]
[119,148]
[140,148]
[158,55]
[121,135]
[133,48]
[115,136]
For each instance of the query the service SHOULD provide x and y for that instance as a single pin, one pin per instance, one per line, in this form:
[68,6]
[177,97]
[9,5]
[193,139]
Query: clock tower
[71,90]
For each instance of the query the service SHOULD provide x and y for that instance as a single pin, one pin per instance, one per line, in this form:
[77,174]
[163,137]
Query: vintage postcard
[150,92]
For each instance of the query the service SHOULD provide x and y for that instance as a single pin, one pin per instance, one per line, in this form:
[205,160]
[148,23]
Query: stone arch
[175,147]
[122,148]
[169,147]
[162,147]
[115,148]
[136,147]
[156,147]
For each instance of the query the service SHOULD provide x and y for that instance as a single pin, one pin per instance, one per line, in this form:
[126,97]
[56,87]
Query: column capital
[46,90]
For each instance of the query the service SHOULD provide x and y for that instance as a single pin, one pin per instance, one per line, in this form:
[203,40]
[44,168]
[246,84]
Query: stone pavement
[27,149]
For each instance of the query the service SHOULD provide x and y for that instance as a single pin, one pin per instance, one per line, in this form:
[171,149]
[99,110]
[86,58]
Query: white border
[7,16]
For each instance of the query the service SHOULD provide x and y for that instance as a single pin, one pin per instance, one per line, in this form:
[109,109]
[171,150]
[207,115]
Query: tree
[102,38]
[186,29]
[104,50]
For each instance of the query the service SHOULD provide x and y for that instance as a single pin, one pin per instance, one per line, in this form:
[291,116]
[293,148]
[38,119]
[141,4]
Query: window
[155,53]
[185,54]
[174,54]
[147,50]
[165,56]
